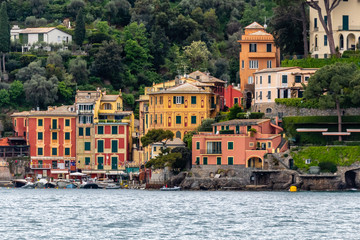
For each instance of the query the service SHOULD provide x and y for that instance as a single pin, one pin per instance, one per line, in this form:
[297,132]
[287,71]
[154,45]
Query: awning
[56,171]
[116,173]
[77,174]
[93,171]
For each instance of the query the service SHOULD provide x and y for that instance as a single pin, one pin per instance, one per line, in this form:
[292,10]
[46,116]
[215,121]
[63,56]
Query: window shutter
[182,99]
[174,100]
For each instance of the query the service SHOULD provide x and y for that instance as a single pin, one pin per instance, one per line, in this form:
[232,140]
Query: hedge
[226,131]
[340,156]
[290,124]
[317,62]
[297,102]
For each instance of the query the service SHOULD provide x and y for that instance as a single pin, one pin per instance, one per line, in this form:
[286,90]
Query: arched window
[268,110]
[341,43]
[178,134]
[250,80]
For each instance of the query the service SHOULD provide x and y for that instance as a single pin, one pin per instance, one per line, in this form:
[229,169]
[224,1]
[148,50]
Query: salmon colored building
[258,51]
[242,142]
[233,95]
[51,135]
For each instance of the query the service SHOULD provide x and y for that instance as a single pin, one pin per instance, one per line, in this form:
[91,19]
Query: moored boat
[19,182]
[29,185]
[165,188]
[112,186]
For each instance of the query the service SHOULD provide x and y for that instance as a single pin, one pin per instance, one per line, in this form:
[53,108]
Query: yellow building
[104,133]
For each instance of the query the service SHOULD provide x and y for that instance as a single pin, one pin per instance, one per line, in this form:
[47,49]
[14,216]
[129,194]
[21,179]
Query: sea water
[142,214]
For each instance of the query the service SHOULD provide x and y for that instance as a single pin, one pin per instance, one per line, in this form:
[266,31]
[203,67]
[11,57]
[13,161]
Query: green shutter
[54,151]
[87,146]
[197,145]
[40,151]
[67,136]
[178,119]
[41,37]
[230,145]
[114,163]
[87,131]
[218,160]
[114,146]
[40,136]
[40,122]
[100,129]
[81,131]
[54,124]
[182,100]
[114,130]
[205,161]
[193,99]
[87,161]
[67,151]
[193,119]
[67,122]
[230,160]
[100,162]
[197,160]
[100,146]
[237,129]
[215,129]
[174,98]
[54,135]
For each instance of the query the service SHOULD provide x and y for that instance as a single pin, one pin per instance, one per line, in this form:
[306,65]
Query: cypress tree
[4,33]
[79,28]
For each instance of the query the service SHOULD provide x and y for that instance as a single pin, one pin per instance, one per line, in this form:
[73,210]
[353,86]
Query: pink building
[238,142]
[233,95]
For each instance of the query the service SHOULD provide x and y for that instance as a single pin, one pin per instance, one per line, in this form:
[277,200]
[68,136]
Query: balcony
[85,111]
[209,151]
[54,129]
[262,54]
[40,166]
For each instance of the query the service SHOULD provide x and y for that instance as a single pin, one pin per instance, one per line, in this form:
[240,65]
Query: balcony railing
[85,111]
[40,166]
[55,128]
[208,151]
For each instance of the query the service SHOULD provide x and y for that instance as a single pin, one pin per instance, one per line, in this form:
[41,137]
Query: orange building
[257,52]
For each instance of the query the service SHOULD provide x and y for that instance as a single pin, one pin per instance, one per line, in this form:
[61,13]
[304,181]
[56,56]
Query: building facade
[51,135]
[104,133]
[233,95]
[242,142]
[282,82]
[258,51]
[345,25]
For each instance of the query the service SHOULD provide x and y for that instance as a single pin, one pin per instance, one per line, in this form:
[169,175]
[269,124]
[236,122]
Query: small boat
[71,185]
[50,185]
[165,188]
[61,183]
[91,186]
[19,182]
[29,185]
[112,186]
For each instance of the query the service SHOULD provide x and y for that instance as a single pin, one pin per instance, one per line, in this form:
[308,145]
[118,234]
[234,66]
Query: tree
[38,7]
[234,110]
[55,59]
[165,159]
[188,138]
[74,7]
[329,5]
[79,34]
[118,12]
[198,55]
[4,98]
[157,135]
[4,34]
[206,125]
[33,68]
[41,92]
[333,85]
[16,92]
[78,68]
[185,160]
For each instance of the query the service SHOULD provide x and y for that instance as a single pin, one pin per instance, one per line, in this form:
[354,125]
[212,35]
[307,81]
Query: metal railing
[208,151]
[41,166]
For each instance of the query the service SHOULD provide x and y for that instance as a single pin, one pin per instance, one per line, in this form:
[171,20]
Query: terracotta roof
[37,30]
[109,98]
[87,96]
[260,33]
[206,77]
[183,88]
[174,142]
[241,122]
[282,69]
[52,111]
[255,25]
[4,142]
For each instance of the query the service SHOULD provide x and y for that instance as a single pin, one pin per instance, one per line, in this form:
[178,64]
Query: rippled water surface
[141,214]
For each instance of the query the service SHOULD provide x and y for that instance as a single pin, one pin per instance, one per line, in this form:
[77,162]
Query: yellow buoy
[293,189]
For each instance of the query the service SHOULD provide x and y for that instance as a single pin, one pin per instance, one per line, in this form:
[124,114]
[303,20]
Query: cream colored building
[282,82]
[345,24]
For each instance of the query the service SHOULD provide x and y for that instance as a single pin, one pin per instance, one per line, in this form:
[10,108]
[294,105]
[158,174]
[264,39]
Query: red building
[51,135]
[233,95]
[241,142]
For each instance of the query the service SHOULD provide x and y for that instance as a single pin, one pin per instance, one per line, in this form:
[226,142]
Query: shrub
[328,167]
[253,115]
[318,63]
[286,155]
[226,131]
[297,102]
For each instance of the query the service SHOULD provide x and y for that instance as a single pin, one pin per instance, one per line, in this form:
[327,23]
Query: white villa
[345,24]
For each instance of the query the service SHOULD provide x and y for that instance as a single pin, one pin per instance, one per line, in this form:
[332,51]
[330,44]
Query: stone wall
[281,110]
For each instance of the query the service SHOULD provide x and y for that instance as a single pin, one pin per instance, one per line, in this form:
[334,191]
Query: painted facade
[51,135]
[258,51]
[104,133]
[241,142]
[233,95]
[283,82]
[346,29]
